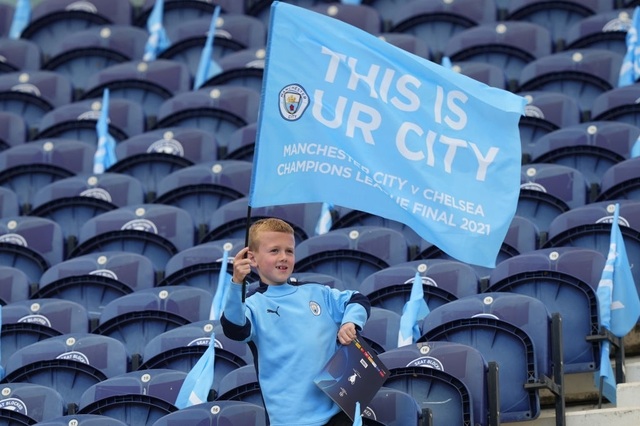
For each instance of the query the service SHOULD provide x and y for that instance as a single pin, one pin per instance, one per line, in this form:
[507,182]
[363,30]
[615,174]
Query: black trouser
[340,419]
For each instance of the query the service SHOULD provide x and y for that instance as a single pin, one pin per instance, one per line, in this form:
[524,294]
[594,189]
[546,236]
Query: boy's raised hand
[241,266]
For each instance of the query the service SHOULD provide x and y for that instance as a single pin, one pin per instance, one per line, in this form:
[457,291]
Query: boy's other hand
[347,333]
[241,266]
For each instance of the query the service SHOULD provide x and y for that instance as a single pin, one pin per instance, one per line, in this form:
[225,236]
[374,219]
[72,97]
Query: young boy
[292,330]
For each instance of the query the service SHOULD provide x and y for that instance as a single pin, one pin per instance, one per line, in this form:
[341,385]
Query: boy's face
[274,257]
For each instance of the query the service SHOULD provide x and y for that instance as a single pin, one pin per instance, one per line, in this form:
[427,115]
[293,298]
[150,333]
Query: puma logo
[271,311]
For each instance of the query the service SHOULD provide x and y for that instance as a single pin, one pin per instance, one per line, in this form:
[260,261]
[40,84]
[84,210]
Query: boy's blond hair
[271,224]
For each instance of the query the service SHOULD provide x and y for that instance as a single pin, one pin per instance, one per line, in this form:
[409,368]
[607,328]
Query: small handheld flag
[105,155]
[219,298]
[158,40]
[207,67]
[630,69]
[413,312]
[21,18]
[196,386]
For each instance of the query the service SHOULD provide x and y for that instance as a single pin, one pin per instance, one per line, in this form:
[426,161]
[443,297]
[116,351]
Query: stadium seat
[362,16]
[243,68]
[72,201]
[589,227]
[13,130]
[408,42]
[6,17]
[220,110]
[544,113]
[604,30]
[437,22]
[96,279]
[217,413]
[69,363]
[241,143]
[353,253]
[556,16]
[31,244]
[148,83]
[590,147]
[547,190]
[204,187]
[83,420]
[449,379]
[200,265]
[621,181]
[179,11]
[9,205]
[618,104]
[443,280]
[136,318]
[30,166]
[27,404]
[391,406]
[52,20]
[298,278]
[182,347]
[565,280]
[518,333]
[19,55]
[509,45]
[135,398]
[381,330]
[155,154]
[80,54]
[156,231]
[32,94]
[487,73]
[234,32]
[77,120]
[241,384]
[583,74]
[261,8]
[14,285]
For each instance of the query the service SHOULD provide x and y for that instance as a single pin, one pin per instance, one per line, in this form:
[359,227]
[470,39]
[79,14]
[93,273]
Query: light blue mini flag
[158,40]
[446,62]
[196,386]
[349,119]
[325,221]
[105,155]
[351,1]
[635,150]
[357,417]
[21,18]
[1,367]
[220,296]
[413,312]
[630,68]
[208,67]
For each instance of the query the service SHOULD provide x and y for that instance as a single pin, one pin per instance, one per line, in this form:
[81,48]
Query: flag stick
[246,244]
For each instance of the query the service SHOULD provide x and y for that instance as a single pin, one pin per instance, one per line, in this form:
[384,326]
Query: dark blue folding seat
[261,8]
[437,22]
[136,318]
[241,143]
[487,73]
[14,285]
[156,231]
[83,420]
[243,68]
[51,20]
[6,17]
[30,166]
[590,147]
[80,54]
[31,244]
[544,113]
[618,104]
[96,279]
[589,226]
[200,265]
[408,42]
[391,407]
[565,280]
[583,74]
[72,201]
[182,347]
[204,187]
[155,154]
[509,45]
[77,120]
[621,181]
[353,253]
[234,32]
[31,94]
[148,83]
[217,413]
[547,190]
[515,331]
[604,30]
[179,11]
[69,363]
[220,110]
[299,278]
[362,16]
[9,205]
[135,398]
[448,378]
[443,280]
[556,16]
[241,384]
[27,404]
[19,55]
[13,130]
[381,329]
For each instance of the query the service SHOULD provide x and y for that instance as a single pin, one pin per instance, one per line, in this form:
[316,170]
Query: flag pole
[246,244]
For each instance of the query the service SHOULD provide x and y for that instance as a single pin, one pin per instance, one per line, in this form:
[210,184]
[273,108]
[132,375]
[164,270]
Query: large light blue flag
[630,68]
[220,296]
[413,312]
[21,18]
[197,384]
[105,155]
[350,119]
[158,40]
[208,67]
[325,221]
